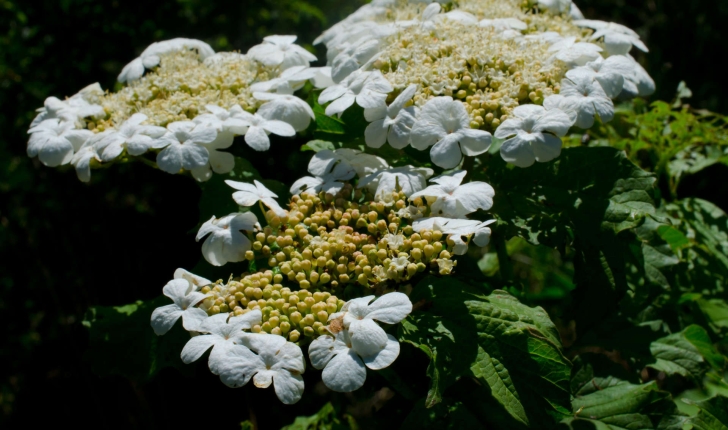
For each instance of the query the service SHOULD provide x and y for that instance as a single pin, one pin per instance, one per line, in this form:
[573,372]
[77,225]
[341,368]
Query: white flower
[280,51]
[635,80]
[444,123]
[455,200]
[322,77]
[343,163]
[425,21]
[287,108]
[367,89]
[224,120]
[532,134]
[394,241]
[393,122]
[362,342]
[74,109]
[278,362]
[218,161]
[456,229]
[582,97]
[250,194]
[289,81]
[460,17]
[55,141]
[195,282]
[151,56]
[164,317]
[611,83]
[408,179]
[226,243]
[618,39]
[328,184]
[132,136]
[221,335]
[503,24]
[184,146]
[574,53]
[259,127]
[82,160]
[354,57]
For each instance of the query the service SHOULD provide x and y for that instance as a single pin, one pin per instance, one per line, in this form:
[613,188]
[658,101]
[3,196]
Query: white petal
[164,317]
[196,347]
[238,366]
[375,134]
[546,149]
[257,139]
[446,153]
[192,318]
[288,386]
[390,308]
[321,351]
[367,338]
[474,142]
[385,357]
[518,152]
[345,372]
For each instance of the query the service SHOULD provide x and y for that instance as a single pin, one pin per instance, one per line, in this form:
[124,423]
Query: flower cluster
[186,109]
[449,78]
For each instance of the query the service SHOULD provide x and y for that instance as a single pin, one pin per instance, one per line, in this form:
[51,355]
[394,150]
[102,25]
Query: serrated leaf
[713,415]
[513,350]
[122,342]
[689,353]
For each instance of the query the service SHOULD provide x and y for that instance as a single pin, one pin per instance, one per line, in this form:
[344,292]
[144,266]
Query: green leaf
[689,353]
[709,313]
[122,342]
[318,145]
[448,414]
[325,419]
[713,415]
[512,350]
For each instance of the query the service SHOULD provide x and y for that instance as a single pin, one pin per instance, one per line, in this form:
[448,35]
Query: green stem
[505,267]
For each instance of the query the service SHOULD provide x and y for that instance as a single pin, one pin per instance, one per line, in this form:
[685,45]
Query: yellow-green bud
[294,336]
[308,331]
[285,327]
[295,317]
[323,316]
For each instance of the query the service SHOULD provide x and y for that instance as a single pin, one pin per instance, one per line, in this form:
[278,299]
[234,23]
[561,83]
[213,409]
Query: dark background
[65,245]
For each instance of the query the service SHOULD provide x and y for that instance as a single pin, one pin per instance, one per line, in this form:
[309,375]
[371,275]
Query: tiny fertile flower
[344,163]
[277,362]
[55,141]
[132,136]
[444,123]
[259,127]
[221,335]
[408,179]
[226,243]
[287,108]
[618,39]
[250,194]
[583,97]
[532,134]
[164,317]
[361,342]
[393,122]
[184,146]
[368,89]
[455,200]
[280,51]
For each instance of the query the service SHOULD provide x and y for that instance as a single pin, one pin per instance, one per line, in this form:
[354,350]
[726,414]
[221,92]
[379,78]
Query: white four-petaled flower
[532,134]
[221,335]
[408,179]
[368,89]
[55,141]
[132,136]
[451,199]
[287,108]
[582,97]
[391,123]
[361,342]
[226,243]
[259,127]
[164,317]
[184,146]
[280,51]
[444,124]
[250,194]
[618,39]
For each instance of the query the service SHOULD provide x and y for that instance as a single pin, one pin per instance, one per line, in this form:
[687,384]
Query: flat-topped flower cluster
[451,78]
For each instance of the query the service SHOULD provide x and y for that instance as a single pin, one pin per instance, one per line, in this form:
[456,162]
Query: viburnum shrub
[461,168]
